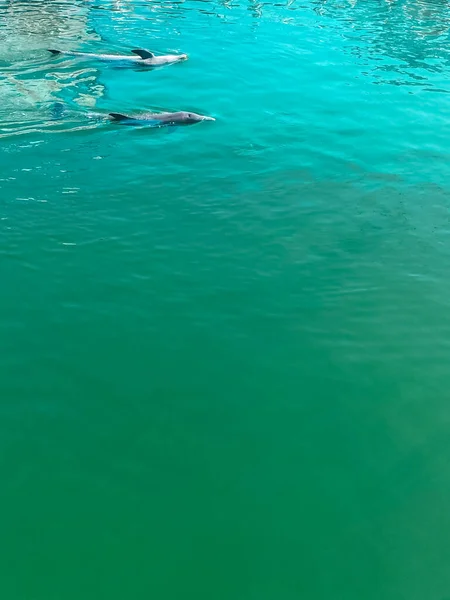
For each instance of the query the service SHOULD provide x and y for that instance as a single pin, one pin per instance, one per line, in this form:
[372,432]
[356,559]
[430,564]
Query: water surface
[225,347]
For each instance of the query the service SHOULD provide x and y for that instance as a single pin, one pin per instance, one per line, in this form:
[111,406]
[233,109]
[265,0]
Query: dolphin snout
[208,119]
[184,56]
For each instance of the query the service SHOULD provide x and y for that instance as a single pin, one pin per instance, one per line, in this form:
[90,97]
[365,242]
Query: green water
[225,348]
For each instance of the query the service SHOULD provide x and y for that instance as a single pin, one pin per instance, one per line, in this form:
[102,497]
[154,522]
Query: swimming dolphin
[142,58]
[161,119]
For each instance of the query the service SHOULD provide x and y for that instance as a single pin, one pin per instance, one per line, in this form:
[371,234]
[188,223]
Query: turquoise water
[225,348]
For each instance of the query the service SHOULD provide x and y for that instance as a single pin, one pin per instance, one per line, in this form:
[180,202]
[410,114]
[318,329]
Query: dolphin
[161,119]
[143,57]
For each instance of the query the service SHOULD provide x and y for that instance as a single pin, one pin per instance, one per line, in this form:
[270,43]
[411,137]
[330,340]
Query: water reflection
[28,26]
[402,39]
[30,81]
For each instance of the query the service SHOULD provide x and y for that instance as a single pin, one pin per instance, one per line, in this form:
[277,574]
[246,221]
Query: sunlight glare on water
[225,353]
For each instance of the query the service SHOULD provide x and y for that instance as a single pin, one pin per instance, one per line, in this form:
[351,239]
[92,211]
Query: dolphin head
[172,58]
[151,60]
[190,118]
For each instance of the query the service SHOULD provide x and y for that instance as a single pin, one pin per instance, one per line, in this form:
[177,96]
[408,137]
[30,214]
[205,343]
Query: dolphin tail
[119,117]
[54,51]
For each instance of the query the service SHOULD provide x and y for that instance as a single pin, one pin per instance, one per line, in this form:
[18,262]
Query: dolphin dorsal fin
[143,53]
[119,117]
